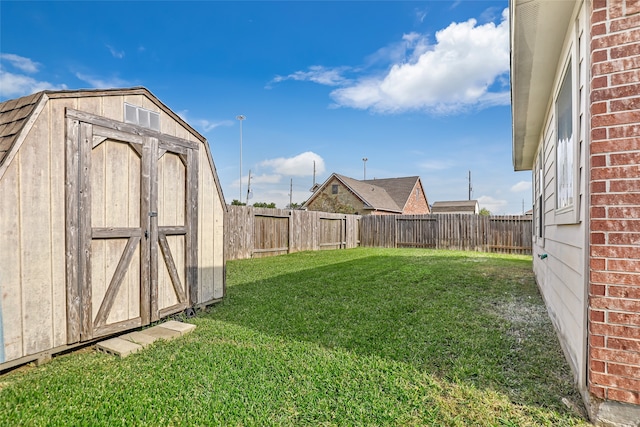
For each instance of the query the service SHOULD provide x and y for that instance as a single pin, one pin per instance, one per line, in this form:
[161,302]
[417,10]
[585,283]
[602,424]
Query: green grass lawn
[351,337]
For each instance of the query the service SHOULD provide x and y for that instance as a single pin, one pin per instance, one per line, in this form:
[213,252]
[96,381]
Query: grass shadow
[467,318]
[375,337]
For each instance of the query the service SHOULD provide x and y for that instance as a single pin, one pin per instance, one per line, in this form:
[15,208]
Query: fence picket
[252,232]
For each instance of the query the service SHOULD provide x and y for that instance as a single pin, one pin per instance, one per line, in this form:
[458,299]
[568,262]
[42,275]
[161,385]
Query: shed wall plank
[219,246]
[10,284]
[113,107]
[72,161]
[206,240]
[167,124]
[57,189]
[91,105]
[35,232]
[137,100]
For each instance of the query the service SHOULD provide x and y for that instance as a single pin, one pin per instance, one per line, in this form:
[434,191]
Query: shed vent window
[141,117]
[334,189]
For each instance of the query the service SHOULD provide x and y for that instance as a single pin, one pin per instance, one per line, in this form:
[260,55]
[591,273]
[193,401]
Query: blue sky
[416,87]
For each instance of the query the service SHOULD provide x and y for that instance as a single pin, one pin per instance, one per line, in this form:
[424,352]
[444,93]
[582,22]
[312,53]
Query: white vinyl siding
[559,184]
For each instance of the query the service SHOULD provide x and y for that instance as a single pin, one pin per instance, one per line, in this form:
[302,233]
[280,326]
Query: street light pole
[241,118]
[364,161]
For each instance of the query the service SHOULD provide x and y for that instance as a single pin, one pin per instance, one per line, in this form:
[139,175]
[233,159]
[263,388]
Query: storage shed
[111,217]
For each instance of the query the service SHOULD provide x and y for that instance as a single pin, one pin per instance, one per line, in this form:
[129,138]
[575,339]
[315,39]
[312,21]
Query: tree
[271,205]
[237,202]
[485,212]
[294,205]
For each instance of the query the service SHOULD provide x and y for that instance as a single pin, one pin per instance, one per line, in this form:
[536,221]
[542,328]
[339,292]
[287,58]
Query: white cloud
[300,165]
[204,124]
[420,15]
[19,80]
[467,67]
[273,185]
[436,164]
[102,83]
[208,126]
[412,45]
[317,74]
[452,75]
[265,179]
[20,62]
[495,206]
[258,180]
[115,53]
[16,85]
[521,186]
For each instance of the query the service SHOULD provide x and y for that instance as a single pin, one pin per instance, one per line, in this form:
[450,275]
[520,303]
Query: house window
[334,189]
[564,144]
[141,117]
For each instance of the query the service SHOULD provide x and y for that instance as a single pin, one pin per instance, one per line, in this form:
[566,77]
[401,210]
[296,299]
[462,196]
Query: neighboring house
[342,194]
[456,207]
[111,217]
[576,126]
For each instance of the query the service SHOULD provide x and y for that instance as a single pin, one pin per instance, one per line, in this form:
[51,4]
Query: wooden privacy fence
[257,232]
[503,234]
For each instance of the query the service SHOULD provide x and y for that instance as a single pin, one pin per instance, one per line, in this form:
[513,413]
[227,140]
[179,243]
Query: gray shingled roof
[14,114]
[374,196]
[454,206]
[399,189]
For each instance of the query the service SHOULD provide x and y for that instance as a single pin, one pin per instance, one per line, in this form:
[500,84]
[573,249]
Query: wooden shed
[111,217]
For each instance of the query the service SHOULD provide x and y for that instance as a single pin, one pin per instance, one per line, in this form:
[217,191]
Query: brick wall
[614,292]
[416,205]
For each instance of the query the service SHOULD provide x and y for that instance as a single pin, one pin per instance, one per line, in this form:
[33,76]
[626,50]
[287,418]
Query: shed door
[171,194]
[131,259]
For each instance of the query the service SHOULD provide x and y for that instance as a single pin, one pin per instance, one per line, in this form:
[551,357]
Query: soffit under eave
[538,30]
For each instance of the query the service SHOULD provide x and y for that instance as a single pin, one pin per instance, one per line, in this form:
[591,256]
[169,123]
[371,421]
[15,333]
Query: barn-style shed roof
[19,114]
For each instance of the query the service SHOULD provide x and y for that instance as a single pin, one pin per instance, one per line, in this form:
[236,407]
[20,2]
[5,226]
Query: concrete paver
[132,342]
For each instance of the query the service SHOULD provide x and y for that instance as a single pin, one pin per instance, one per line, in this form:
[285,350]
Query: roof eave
[538,28]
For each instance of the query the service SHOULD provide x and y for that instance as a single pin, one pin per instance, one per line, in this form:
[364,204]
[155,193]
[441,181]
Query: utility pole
[314,174]
[364,161]
[291,193]
[470,188]
[241,118]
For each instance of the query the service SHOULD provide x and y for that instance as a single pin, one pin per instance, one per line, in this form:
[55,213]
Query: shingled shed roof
[14,114]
